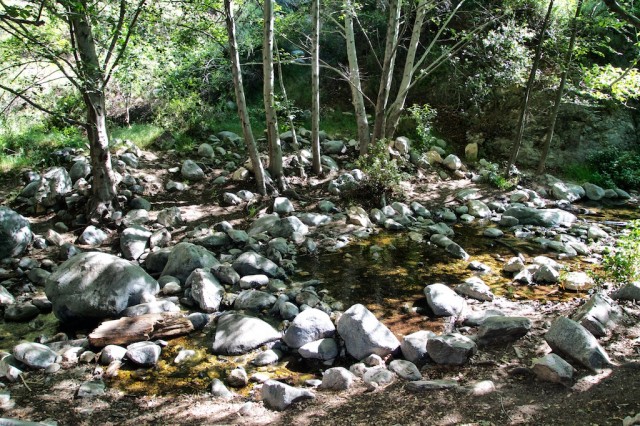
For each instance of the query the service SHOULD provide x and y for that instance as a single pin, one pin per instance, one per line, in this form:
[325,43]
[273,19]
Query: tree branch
[36,22]
[615,7]
[116,32]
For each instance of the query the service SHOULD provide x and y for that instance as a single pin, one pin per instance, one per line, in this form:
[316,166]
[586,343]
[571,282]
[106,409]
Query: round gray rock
[15,233]
[364,335]
[308,326]
[238,334]
[144,354]
[34,355]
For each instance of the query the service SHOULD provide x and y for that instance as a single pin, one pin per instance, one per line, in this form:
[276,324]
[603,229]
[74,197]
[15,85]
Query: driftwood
[128,330]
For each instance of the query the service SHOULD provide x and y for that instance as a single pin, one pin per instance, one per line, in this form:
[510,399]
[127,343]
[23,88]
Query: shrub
[621,264]
[423,115]
[615,168]
[383,174]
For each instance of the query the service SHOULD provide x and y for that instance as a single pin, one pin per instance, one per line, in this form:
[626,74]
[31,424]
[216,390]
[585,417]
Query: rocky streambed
[272,311]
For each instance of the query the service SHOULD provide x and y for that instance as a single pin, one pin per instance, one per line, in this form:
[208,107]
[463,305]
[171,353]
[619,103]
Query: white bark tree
[315,88]
[243,113]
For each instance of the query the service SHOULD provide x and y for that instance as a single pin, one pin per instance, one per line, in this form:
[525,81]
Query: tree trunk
[315,88]
[249,140]
[394,111]
[560,92]
[388,64]
[522,121]
[275,147]
[354,78]
[103,186]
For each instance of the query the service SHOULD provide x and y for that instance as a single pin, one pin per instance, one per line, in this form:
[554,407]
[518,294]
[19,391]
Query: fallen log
[128,330]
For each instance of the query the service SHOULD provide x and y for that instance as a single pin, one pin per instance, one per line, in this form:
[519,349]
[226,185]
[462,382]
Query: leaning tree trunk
[560,92]
[275,147]
[243,113]
[354,79]
[522,121]
[315,88]
[396,107]
[104,192]
[388,64]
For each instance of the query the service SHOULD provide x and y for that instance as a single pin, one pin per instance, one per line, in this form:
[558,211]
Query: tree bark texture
[315,88]
[128,330]
[243,114]
[275,146]
[354,78]
[388,65]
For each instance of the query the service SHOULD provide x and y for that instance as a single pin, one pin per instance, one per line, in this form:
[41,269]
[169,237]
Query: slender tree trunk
[275,147]
[249,140]
[388,64]
[315,88]
[395,109]
[354,76]
[560,91]
[104,192]
[522,121]
[294,133]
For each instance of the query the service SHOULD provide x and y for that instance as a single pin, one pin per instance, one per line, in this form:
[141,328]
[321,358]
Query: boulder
[97,285]
[15,233]
[278,396]
[593,192]
[238,334]
[219,390]
[475,288]
[289,226]
[478,209]
[451,349]
[337,378]
[540,217]
[431,385]
[252,263]
[144,354]
[364,335]
[630,291]
[92,236]
[501,329]
[134,241]
[282,205]
[55,184]
[414,346]
[405,369]
[443,301]
[452,162]
[599,315]
[34,355]
[567,191]
[552,368]
[572,339]
[155,307]
[171,217]
[254,300]
[323,349]
[205,290]
[308,326]
[191,171]
[187,257]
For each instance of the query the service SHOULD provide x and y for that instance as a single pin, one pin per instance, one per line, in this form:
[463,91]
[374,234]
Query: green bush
[423,115]
[613,167]
[383,174]
[621,264]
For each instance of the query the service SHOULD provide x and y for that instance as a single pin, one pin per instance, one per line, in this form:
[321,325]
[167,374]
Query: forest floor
[605,398]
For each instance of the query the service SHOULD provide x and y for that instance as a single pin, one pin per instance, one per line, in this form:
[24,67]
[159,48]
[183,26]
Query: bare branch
[615,7]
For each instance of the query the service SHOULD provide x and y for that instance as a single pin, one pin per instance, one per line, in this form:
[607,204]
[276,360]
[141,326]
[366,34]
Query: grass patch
[143,135]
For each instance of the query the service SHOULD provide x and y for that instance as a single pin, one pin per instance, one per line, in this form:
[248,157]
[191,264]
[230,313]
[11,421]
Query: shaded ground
[519,398]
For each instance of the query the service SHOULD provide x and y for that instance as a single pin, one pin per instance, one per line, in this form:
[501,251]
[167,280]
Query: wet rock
[493,233]
[451,349]
[237,334]
[595,233]
[443,301]
[414,346]
[191,171]
[97,285]
[499,329]
[358,216]
[363,334]
[540,217]
[254,300]
[572,339]
[252,263]
[205,290]
[145,354]
[567,191]
[21,312]
[134,241]
[475,288]
[478,209]
[552,368]
[219,390]
[199,320]
[310,325]
[15,233]
[279,396]
[34,355]
[112,353]
[187,257]
[237,378]
[268,357]
[92,236]
[599,315]
[323,349]
[337,378]
[405,369]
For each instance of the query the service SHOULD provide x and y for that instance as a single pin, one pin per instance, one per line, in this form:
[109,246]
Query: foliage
[608,82]
[497,179]
[613,167]
[423,116]
[143,135]
[383,174]
[621,264]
